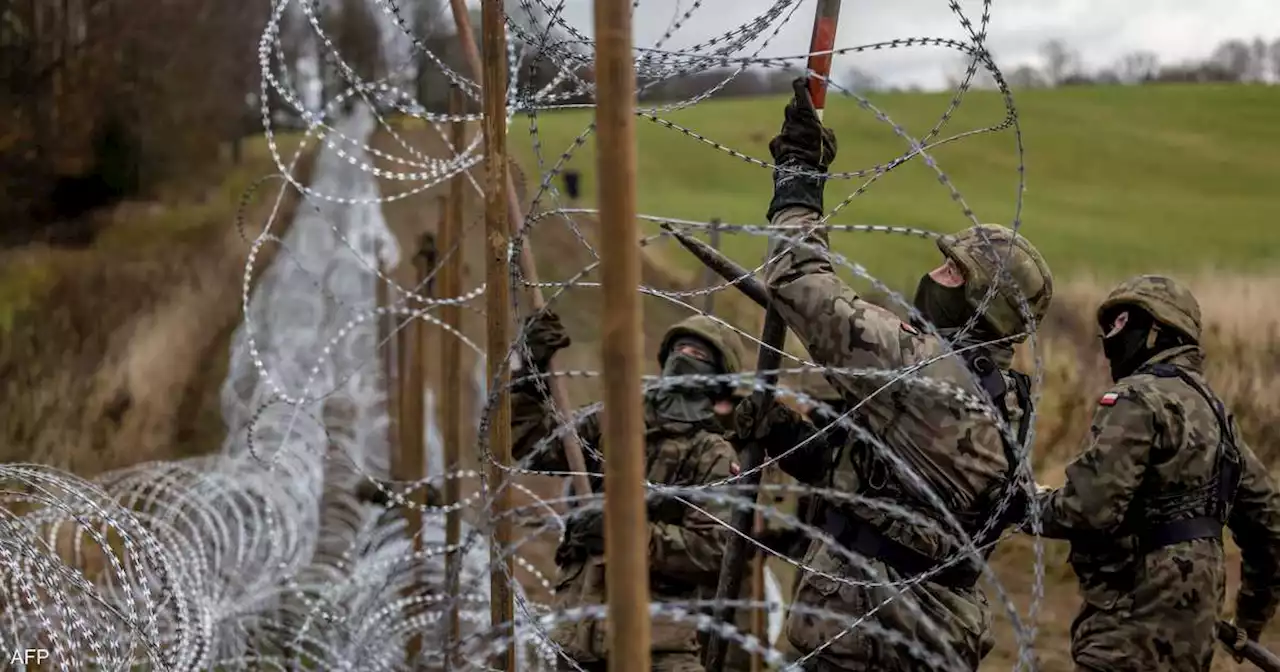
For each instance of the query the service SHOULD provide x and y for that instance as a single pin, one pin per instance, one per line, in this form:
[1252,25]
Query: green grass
[1119,179]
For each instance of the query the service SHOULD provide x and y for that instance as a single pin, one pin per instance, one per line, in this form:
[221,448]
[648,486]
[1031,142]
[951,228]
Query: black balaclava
[1133,345]
[687,402]
[946,307]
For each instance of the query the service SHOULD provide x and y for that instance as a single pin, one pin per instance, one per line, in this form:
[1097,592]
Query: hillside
[1118,179]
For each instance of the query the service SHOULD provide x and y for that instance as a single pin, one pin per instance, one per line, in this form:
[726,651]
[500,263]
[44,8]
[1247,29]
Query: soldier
[1163,469]
[956,446]
[685,447]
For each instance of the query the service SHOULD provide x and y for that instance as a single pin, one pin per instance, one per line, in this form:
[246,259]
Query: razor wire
[260,557]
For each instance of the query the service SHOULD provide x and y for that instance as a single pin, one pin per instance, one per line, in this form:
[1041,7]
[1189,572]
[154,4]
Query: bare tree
[1275,60]
[1138,67]
[1026,77]
[1234,57]
[860,81]
[1060,61]
[1258,64]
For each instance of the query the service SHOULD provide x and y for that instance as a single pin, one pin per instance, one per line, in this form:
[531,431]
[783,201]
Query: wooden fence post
[451,376]
[572,449]
[626,532]
[497,311]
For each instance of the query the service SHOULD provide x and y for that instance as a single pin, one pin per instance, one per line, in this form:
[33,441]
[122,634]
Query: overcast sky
[1101,30]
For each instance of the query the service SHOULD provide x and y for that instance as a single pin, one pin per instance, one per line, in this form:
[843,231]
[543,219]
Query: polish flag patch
[910,329]
[1108,399]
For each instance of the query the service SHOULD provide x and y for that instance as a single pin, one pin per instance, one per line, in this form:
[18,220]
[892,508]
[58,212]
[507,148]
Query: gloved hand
[665,509]
[545,336]
[781,428]
[1243,637]
[803,139]
[585,529]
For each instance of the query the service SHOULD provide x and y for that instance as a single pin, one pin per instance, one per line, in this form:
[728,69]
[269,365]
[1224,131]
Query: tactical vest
[1159,518]
[865,473]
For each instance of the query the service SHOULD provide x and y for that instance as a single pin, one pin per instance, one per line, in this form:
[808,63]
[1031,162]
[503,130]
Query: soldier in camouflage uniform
[952,441]
[1163,469]
[685,447]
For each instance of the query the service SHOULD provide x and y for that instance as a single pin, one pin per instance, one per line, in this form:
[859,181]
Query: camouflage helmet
[979,252]
[1167,300]
[721,337]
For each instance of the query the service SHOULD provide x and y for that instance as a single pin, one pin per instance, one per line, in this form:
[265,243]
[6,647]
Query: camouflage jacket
[685,549]
[935,421]
[1146,608]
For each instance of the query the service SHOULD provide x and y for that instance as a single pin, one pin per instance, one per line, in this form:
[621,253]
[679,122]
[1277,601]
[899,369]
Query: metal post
[497,311]
[626,520]
[708,275]
[572,449]
[451,375]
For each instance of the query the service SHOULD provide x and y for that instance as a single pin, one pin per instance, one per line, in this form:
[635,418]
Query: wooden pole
[412,465]
[497,311]
[772,337]
[708,275]
[626,520]
[451,375]
[572,449]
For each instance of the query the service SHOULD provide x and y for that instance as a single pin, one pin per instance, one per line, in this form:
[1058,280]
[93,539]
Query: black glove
[545,336]
[585,530]
[802,143]
[665,509]
[781,428]
[1243,637]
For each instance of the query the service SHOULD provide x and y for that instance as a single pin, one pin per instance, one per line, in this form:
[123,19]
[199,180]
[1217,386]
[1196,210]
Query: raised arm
[1255,524]
[838,328]
[533,419]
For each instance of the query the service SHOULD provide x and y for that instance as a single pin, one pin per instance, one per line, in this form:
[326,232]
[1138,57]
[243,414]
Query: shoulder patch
[910,329]
[1109,399]
[735,468]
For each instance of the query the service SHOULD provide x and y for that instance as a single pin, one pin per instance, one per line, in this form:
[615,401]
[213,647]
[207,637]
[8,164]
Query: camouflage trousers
[660,662]
[948,629]
[1166,621]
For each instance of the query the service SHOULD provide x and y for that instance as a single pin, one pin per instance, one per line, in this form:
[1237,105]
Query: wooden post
[572,449]
[626,532]
[412,464]
[497,311]
[708,275]
[451,375]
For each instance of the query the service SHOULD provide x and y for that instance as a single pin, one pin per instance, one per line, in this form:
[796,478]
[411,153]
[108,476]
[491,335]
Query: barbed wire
[262,557]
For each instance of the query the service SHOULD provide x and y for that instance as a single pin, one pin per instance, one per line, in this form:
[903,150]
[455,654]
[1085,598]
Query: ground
[128,338]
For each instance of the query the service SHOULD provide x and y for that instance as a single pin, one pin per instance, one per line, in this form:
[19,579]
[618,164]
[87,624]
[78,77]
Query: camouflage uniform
[954,444]
[1162,469]
[685,547]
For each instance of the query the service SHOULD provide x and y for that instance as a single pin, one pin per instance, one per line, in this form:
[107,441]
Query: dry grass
[114,354]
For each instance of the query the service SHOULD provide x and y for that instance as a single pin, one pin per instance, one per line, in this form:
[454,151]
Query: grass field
[1118,179]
